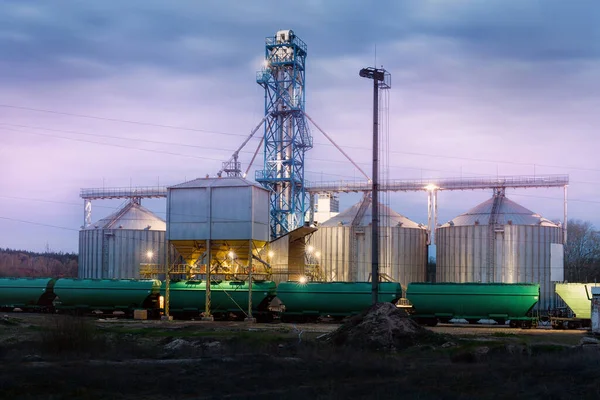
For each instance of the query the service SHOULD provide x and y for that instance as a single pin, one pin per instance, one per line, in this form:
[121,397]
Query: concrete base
[211,318]
[250,320]
[166,318]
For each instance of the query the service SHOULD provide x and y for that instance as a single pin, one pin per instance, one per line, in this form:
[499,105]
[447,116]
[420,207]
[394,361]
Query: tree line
[21,263]
[582,252]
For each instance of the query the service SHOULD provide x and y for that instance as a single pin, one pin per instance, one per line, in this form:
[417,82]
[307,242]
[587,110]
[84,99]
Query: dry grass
[67,335]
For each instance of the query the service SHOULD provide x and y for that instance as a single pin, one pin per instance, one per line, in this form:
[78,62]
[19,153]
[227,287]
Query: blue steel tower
[287,137]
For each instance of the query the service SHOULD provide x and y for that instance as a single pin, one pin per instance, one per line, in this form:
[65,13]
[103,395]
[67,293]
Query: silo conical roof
[508,212]
[131,216]
[388,217]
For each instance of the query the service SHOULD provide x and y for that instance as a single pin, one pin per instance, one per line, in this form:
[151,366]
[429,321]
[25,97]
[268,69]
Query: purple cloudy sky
[480,88]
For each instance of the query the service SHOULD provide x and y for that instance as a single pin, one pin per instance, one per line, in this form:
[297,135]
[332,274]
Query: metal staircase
[355,230]
[492,224]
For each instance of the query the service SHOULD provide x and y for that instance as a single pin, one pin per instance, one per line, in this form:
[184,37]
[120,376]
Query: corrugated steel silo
[230,212]
[115,246]
[343,245]
[500,241]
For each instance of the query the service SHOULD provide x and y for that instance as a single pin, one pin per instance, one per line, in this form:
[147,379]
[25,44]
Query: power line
[38,223]
[318,143]
[146,150]
[120,120]
[196,146]
[113,145]
[179,144]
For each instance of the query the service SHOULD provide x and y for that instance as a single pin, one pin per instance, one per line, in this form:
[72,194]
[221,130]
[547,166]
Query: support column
[380,77]
[311,208]
[250,317]
[375,198]
[429,215]
[87,213]
[207,315]
[435,215]
[167,282]
[565,223]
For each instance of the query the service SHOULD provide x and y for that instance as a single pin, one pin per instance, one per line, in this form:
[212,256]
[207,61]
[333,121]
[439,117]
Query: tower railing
[272,41]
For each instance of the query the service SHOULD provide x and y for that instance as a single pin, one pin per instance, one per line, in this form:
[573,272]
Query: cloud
[478,88]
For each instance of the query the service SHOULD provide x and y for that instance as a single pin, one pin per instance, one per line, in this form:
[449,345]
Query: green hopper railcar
[187,299]
[108,295]
[27,294]
[433,302]
[310,300]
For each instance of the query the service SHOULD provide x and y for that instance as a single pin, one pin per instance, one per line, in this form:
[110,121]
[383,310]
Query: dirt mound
[381,327]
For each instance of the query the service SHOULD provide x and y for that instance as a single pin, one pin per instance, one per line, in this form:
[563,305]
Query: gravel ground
[454,329]
[463,329]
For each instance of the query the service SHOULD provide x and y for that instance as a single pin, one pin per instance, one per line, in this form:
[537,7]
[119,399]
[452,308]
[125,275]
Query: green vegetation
[503,334]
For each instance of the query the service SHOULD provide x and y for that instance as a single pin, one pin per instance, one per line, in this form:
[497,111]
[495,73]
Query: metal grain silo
[228,216]
[501,241]
[115,246]
[342,246]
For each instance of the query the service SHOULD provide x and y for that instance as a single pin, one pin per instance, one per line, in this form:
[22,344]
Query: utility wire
[404,167]
[187,145]
[146,150]
[317,143]
[181,128]
[38,223]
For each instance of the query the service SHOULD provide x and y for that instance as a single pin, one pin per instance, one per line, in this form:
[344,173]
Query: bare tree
[582,251]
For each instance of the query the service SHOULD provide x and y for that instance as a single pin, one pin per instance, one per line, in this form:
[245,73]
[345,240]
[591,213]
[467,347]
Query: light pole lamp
[381,79]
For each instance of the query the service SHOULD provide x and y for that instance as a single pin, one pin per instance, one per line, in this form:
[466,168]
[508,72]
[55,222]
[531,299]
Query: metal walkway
[416,185]
[145,192]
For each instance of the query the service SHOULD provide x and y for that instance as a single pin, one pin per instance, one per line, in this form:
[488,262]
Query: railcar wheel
[572,325]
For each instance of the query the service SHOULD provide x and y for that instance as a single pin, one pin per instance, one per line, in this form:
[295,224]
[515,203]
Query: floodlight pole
[378,76]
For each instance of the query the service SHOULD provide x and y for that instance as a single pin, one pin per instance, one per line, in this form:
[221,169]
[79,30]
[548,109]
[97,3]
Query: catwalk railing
[518,181]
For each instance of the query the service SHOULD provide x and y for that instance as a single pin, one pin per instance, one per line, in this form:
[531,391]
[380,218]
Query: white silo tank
[115,246]
[500,241]
[343,244]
